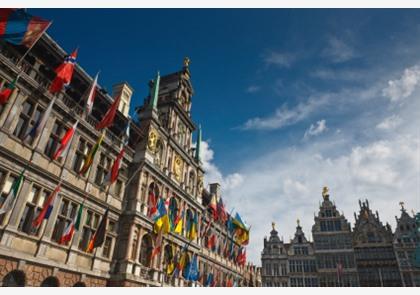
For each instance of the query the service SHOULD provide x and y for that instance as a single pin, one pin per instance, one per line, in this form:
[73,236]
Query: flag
[65,142]
[7,91]
[11,196]
[221,212]
[152,205]
[241,258]
[99,236]
[162,218]
[108,119]
[126,136]
[209,280]
[72,227]
[40,124]
[89,158]
[64,73]
[192,227]
[179,222]
[171,263]
[47,208]
[158,244]
[21,28]
[211,242]
[91,96]
[241,230]
[213,206]
[112,174]
[192,271]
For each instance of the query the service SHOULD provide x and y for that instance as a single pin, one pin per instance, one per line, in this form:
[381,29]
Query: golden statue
[402,205]
[298,222]
[178,167]
[273,224]
[325,192]
[151,143]
[187,61]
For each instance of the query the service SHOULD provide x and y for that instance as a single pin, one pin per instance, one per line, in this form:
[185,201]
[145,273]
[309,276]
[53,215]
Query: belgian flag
[99,236]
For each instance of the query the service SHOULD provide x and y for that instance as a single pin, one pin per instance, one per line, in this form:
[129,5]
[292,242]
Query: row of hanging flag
[179,265]
[20,28]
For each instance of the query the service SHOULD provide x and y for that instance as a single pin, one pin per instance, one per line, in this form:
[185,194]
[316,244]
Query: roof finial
[402,206]
[155,93]
[187,62]
[273,224]
[325,193]
[298,222]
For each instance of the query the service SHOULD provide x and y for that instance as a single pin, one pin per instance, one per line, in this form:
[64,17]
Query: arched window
[15,278]
[50,282]
[168,256]
[134,244]
[79,284]
[159,152]
[146,249]
[189,218]
[191,182]
[173,211]
[153,195]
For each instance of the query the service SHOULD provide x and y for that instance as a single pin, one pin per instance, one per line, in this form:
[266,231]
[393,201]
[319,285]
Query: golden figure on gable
[152,140]
[178,167]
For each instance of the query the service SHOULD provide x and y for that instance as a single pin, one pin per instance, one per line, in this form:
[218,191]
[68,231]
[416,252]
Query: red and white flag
[65,142]
[108,119]
[64,73]
[91,96]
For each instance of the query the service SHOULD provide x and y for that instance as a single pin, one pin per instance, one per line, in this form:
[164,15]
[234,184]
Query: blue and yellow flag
[162,218]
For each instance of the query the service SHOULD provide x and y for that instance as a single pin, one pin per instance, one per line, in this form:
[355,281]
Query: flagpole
[33,43]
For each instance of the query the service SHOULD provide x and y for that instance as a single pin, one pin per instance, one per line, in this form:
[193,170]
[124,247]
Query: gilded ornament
[178,167]
[151,143]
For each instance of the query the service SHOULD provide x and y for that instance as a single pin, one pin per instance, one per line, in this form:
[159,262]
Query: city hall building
[159,160]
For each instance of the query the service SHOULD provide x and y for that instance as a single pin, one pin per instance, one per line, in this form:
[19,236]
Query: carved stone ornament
[178,167]
[200,184]
[152,140]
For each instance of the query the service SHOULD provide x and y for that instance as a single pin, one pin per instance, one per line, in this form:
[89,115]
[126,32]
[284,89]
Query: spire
[155,91]
[197,150]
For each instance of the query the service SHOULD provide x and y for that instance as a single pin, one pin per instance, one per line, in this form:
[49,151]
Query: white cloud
[285,183]
[338,51]
[253,89]
[316,129]
[285,116]
[212,172]
[390,123]
[279,59]
[405,86]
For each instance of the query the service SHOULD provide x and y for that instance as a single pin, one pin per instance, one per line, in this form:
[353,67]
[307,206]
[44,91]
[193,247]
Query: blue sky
[289,100]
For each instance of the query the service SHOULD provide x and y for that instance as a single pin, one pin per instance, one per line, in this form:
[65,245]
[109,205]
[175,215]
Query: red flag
[158,247]
[7,91]
[112,176]
[64,73]
[65,141]
[46,210]
[152,204]
[108,119]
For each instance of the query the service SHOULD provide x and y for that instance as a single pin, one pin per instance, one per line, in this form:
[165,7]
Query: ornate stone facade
[370,255]
[159,158]
[373,246]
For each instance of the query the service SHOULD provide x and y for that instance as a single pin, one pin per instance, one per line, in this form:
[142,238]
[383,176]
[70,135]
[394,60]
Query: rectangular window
[35,202]
[30,114]
[102,170]
[107,247]
[53,143]
[66,214]
[5,186]
[88,230]
[82,149]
